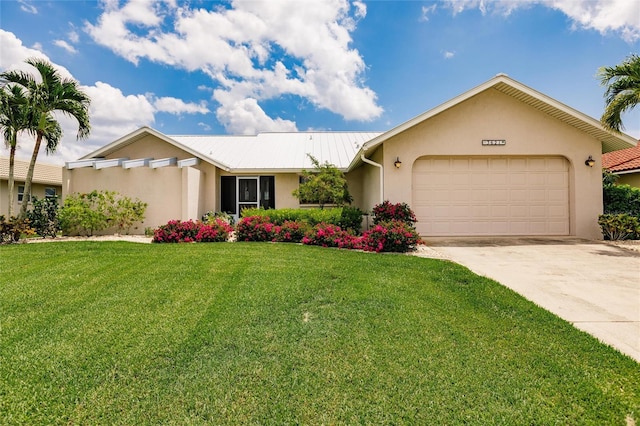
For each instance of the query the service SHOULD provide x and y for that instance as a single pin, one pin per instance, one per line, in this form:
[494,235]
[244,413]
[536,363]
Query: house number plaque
[492,142]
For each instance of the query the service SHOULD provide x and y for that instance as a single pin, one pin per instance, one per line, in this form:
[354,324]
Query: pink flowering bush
[328,235]
[176,231]
[387,211]
[392,236]
[255,228]
[291,231]
[216,231]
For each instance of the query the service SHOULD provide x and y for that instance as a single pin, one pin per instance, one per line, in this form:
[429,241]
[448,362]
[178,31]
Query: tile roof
[43,173]
[622,160]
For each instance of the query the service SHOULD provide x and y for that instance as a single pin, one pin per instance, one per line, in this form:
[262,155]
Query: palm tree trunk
[12,158]
[27,184]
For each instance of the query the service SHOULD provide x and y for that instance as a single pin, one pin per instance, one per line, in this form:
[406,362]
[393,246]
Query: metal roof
[278,151]
[42,173]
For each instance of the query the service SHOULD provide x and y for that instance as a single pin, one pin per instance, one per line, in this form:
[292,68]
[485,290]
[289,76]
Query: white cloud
[243,116]
[26,7]
[449,55]
[178,106]
[204,126]
[74,37]
[66,46]
[426,11]
[236,47]
[361,9]
[604,16]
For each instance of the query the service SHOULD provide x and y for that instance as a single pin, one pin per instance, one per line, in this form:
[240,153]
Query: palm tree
[51,94]
[13,120]
[623,91]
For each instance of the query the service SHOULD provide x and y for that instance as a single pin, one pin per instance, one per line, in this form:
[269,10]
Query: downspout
[366,160]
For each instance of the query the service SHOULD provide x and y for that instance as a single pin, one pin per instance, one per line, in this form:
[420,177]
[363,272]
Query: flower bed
[393,231]
[176,231]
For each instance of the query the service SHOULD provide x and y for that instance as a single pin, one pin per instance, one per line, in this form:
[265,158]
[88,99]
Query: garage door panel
[491,195]
[478,164]
[460,179]
[498,195]
[496,164]
[462,195]
[479,212]
[499,211]
[516,195]
[518,179]
[518,211]
[556,178]
[536,179]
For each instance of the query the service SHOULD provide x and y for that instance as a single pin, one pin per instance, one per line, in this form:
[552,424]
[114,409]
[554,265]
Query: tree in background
[623,91]
[46,95]
[13,119]
[324,185]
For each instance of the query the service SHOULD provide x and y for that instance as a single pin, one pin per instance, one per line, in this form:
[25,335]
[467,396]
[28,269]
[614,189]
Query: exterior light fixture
[590,162]
[397,163]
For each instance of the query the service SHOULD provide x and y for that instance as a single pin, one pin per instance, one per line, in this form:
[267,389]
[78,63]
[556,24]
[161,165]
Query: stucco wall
[527,131]
[632,179]
[160,188]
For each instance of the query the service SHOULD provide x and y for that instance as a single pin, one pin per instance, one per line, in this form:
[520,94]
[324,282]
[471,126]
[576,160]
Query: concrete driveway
[593,285]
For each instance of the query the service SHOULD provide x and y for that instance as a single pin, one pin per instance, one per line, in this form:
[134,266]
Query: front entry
[241,192]
[247,193]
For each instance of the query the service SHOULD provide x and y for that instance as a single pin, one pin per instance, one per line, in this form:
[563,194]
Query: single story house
[501,159]
[47,182]
[624,163]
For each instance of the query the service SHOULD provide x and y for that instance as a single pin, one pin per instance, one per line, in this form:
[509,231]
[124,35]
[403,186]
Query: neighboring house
[47,182]
[498,160]
[624,163]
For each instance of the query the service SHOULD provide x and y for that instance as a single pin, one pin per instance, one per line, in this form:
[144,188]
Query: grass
[250,333]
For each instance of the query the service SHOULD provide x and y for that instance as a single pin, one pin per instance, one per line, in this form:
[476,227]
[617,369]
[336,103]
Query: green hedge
[344,217]
[621,199]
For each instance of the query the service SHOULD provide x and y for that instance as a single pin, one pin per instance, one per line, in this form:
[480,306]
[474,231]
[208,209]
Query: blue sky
[208,67]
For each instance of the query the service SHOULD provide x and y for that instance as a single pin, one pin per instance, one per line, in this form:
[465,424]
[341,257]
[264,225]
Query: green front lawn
[259,333]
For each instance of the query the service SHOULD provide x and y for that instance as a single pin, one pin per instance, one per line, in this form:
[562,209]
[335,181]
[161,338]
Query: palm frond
[622,93]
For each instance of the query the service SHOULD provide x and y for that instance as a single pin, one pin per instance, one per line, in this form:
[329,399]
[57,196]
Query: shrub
[13,229]
[329,235]
[43,216]
[325,185]
[210,217]
[125,212]
[291,232]
[621,199]
[255,228]
[392,236]
[387,211]
[351,219]
[176,231]
[619,226]
[83,214]
[311,216]
[216,231]
[98,210]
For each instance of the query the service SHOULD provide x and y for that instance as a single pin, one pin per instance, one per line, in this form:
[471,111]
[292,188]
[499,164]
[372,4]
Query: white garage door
[491,196]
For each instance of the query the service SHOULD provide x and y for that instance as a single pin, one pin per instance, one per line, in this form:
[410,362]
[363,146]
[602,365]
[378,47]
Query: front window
[50,192]
[21,193]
